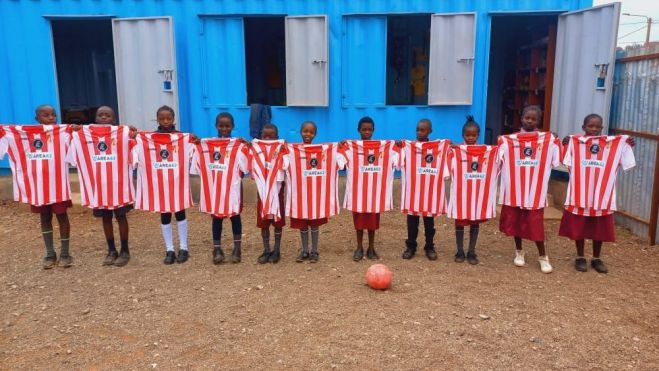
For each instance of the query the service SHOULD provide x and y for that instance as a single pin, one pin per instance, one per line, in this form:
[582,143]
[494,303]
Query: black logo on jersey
[217,155]
[102,146]
[429,158]
[528,151]
[474,166]
[37,144]
[313,163]
[370,158]
[594,149]
[164,154]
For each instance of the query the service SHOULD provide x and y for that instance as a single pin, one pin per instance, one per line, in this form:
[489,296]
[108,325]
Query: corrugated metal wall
[211,61]
[635,107]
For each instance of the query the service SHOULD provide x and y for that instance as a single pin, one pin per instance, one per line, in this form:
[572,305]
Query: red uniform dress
[526,160]
[370,166]
[474,172]
[591,199]
[266,164]
[37,157]
[311,184]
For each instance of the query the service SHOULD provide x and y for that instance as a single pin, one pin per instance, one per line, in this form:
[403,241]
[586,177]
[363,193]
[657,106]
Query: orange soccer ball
[378,277]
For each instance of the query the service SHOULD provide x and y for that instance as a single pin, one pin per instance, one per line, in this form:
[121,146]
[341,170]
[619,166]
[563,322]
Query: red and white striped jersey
[37,157]
[370,166]
[594,164]
[423,169]
[162,161]
[474,171]
[312,180]
[102,156]
[526,161]
[220,163]
[266,167]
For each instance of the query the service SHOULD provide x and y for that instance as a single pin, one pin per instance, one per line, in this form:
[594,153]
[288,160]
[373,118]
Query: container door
[583,72]
[145,62]
[306,61]
[451,75]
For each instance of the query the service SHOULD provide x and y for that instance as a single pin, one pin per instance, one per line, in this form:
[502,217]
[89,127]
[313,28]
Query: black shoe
[372,255]
[431,254]
[170,257]
[472,258]
[235,255]
[459,257]
[65,261]
[304,255]
[580,264]
[218,255]
[122,260]
[599,266]
[110,258]
[313,257]
[358,255]
[409,253]
[49,261]
[274,256]
[263,258]
[183,256]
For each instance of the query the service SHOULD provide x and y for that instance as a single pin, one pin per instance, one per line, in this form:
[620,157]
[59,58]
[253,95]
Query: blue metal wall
[209,33]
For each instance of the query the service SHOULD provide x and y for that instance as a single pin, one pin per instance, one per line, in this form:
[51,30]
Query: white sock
[183,234]
[167,235]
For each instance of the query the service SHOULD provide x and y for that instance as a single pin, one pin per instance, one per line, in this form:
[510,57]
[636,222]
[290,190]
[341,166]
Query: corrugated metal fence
[635,111]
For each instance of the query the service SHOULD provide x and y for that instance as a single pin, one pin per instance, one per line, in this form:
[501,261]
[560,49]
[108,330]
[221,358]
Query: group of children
[515,222]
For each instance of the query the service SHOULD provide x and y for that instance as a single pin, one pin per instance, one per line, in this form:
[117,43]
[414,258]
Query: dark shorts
[523,223]
[578,227]
[465,222]
[118,212]
[306,223]
[266,223]
[368,221]
[57,208]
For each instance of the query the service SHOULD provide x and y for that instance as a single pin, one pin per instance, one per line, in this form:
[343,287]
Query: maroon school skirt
[57,208]
[369,221]
[466,222]
[306,223]
[578,227]
[266,223]
[518,222]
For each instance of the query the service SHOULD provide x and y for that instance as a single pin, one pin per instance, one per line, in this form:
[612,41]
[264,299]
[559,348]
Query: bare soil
[437,315]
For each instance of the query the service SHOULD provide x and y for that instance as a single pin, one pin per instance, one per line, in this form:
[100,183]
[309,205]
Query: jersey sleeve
[4,145]
[627,159]
[194,162]
[568,157]
[243,161]
[448,164]
[395,158]
[555,153]
[70,156]
[341,160]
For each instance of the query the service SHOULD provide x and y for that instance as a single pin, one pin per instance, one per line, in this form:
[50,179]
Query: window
[265,60]
[408,49]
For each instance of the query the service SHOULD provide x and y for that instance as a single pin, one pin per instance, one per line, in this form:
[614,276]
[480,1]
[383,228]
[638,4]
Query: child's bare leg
[580,247]
[541,247]
[596,262]
[597,249]
[518,243]
[360,238]
[371,239]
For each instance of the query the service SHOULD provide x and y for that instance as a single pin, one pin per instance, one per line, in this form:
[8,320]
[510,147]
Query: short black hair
[592,116]
[165,108]
[308,122]
[42,106]
[365,120]
[426,121]
[225,115]
[470,123]
[531,108]
[270,126]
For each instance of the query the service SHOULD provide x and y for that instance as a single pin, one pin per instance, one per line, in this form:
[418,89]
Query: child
[165,116]
[368,221]
[224,124]
[470,133]
[423,131]
[308,132]
[105,116]
[270,132]
[579,223]
[527,222]
[46,115]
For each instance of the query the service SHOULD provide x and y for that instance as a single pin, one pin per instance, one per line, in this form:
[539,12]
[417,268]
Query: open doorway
[265,59]
[84,60]
[522,54]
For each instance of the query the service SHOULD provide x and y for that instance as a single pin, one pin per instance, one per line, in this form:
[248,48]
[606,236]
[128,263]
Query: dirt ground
[438,315]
